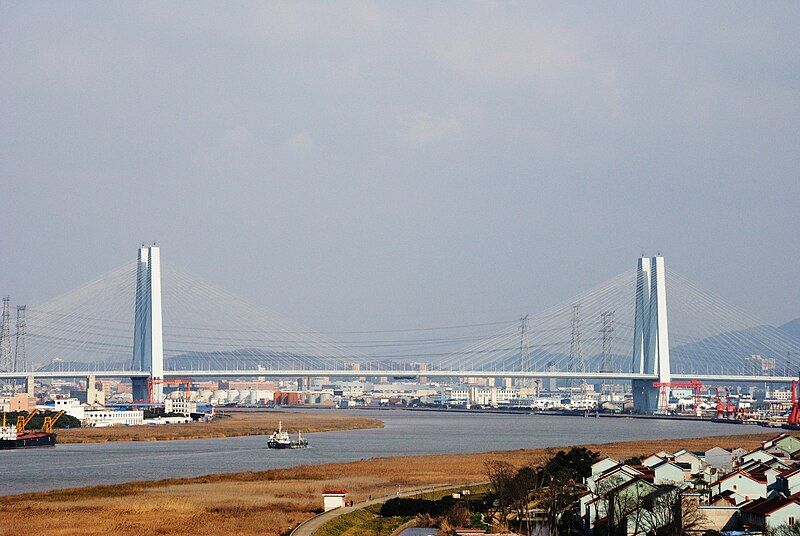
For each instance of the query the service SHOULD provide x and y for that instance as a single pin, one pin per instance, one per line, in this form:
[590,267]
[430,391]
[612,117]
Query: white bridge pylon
[651,335]
[148,331]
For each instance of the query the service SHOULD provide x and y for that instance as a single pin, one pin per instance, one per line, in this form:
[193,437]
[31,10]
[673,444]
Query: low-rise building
[108,417]
[180,405]
[333,498]
[719,458]
[771,513]
[70,406]
[604,465]
[667,473]
[742,483]
[21,402]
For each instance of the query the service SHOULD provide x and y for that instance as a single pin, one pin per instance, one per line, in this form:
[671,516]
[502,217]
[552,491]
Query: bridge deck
[299,373]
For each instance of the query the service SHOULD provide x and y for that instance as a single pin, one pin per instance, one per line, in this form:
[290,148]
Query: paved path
[308,528]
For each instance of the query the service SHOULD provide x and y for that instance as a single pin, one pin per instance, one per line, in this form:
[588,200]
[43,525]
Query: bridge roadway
[339,373]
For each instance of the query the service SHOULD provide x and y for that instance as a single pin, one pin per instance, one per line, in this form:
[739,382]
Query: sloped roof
[714,449]
[725,496]
[767,506]
[743,473]
[775,438]
[630,483]
[611,470]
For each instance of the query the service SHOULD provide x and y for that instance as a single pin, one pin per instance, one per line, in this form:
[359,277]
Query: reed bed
[237,423]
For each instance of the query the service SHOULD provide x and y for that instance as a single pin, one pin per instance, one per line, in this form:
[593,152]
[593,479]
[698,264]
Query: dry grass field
[270,502]
[239,423]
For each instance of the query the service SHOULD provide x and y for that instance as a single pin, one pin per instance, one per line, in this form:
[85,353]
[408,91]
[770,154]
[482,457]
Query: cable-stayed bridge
[152,320]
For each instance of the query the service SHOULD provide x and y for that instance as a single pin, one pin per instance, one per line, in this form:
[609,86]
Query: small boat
[302,443]
[282,440]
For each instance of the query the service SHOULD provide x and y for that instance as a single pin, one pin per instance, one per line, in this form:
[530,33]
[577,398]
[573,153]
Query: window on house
[791,521]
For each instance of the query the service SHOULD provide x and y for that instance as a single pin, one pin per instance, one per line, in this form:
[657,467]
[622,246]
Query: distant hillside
[791,328]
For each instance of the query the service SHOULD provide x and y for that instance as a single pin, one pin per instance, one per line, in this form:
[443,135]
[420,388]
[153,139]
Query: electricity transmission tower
[607,330]
[6,364]
[576,363]
[524,348]
[20,349]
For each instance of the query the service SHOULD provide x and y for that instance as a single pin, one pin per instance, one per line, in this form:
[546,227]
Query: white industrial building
[180,405]
[70,406]
[107,417]
[477,396]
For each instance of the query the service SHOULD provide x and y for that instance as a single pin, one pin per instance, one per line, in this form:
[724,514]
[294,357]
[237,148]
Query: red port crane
[186,382]
[726,409]
[794,416]
[721,409]
[695,385]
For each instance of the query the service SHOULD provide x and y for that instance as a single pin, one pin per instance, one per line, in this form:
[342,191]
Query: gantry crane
[185,382]
[695,385]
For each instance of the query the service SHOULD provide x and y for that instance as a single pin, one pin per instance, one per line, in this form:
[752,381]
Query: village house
[719,458]
[771,513]
[720,490]
[742,483]
[612,478]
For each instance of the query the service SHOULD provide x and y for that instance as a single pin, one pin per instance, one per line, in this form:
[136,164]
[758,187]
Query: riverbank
[274,501]
[236,423]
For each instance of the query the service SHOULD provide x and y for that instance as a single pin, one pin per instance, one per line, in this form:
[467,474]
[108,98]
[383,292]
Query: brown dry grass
[270,502]
[239,423]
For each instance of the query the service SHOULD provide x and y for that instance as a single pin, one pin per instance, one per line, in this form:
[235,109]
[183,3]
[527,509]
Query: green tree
[574,464]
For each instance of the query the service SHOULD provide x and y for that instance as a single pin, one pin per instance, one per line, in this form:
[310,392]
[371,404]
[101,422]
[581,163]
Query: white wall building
[334,498]
[70,406]
[741,483]
[107,417]
[180,405]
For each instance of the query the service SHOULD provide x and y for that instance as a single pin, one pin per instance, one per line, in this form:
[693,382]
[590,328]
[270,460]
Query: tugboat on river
[282,440]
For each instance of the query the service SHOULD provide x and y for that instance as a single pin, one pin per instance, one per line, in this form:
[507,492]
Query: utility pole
[6,364]
[20,349]
[524,348]
[575,349]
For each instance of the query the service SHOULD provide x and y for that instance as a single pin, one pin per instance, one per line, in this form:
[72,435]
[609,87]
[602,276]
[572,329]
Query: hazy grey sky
[371,165]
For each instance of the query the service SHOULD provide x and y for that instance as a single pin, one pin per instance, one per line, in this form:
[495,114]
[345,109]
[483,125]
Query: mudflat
[235,423]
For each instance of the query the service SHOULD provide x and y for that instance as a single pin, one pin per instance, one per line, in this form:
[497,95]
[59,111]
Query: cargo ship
[10,439]
[16,437]
[282,440]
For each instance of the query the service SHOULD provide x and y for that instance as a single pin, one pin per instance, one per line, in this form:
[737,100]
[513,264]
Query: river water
[405,433]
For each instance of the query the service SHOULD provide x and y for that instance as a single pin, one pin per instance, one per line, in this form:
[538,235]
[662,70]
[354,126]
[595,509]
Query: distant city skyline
[378,165]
